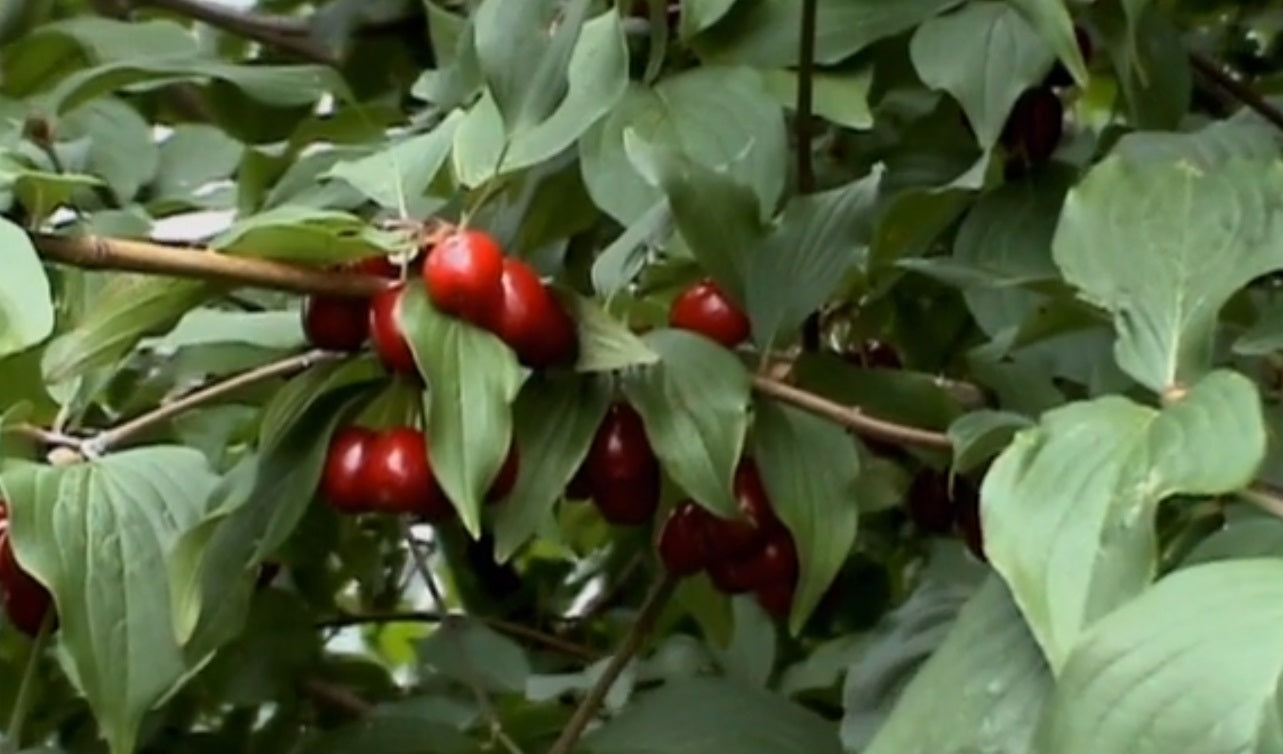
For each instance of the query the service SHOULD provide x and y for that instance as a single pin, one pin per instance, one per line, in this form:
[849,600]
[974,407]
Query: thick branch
[637,635]
[337,696]
[805,89]
[1215,72]
[255,27]
[202,264]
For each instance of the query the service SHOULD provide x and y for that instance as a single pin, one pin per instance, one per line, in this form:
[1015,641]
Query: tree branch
[1215,72]
[514,630]
[93,252]
[637,635]
[337,697]
[101,443]
[805,90]
[252,26]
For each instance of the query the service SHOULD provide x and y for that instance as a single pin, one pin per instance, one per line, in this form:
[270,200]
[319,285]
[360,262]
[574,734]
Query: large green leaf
[1052,20]
[984,54]
[984,689]
[765,33]
[98,534]
[26,308]
[702,715]
[605,343]
[746,138]
[413,164]
[304,234]
[817,241]
[556,417]
[1163,246]
[193,156]
[121,150]
[1068,507]
[473,379]
[1194,664]
[694,405]
[809,466]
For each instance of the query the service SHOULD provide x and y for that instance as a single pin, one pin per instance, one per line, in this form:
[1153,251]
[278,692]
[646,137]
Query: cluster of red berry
[26,601]
[753,553]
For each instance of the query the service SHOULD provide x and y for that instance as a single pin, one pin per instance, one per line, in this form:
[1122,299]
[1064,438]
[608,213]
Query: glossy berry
[731,577]
[681,541]
[385,332]
[335,324]
[397,475]
[1035,125]
[929,503]
[531,320]
[506,478]
[622,471]
[733,539]
[25,600]
[705,309]
[378,265]
[341,483]
[462,273]
[776,597]
[776,561]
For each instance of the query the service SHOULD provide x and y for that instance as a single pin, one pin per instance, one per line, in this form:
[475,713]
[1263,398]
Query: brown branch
[1266,497]
[514,630]
[338,697]
[1215,72]
[637,635]
[202,264]
[851,417]
[255,27]
[106,440]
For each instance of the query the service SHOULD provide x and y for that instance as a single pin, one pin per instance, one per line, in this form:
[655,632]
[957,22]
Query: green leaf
[764,33]
[1096,471]
[1162,247]
[809,466]
[701,715]
[841,98]
[1052,20]
[750,655]
[1245,534]
[305,234]
[121,150]
[1154,72]
[1242,136]
[697,15]
[694,405]
[279,330]
[555,416]
[193,156]
[26,306]
[413,163]
[1205,631]
[473,379]
[98,535]
[817,241]
[38,191]
[984,54]
[747,138]
[605,343]
[472,653]
[984,689]
[981,435]
[397,728]
[623,260]
[127,308]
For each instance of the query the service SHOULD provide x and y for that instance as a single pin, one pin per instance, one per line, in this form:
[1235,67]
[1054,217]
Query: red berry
[622,470]
[389,341]
[531,320]
[334,323]
[463,274]
[681,541]
[26,601]
[341,483]
[1035,125]
[398,478]
[730,577]
[378,265]
[776,597]
[730,539]
[506,478]
[776,561]
[705,309]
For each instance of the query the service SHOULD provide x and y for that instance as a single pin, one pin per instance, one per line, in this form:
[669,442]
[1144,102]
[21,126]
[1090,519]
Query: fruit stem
[655,602]
[26,688]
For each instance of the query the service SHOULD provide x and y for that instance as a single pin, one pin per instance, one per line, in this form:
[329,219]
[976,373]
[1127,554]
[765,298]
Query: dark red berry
[531,320]
[776,597]
[334,323]
[776,561]
[1035,125]
[681,541]
[26,601]
[622,471]
[378,265]
[705,309]
[730,576]
[397,475]
[341,482]
[731,539]
[462,273]
[385,331]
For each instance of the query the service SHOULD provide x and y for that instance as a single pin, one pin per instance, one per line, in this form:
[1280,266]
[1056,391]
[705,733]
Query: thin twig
[252,26]
[608,595]
[805,89]
[851,417]
[1215,72]
[637,636]
[118,434]
[338,697]
[45,436]
[514,630]
[93,252]
[1266,497]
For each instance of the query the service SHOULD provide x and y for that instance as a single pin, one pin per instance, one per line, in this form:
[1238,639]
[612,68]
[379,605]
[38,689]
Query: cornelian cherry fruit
[389,340]
[334,323]
[26,601]
[731,539]
[531,320]
[463,272]
[622,471]
[1035,125]
[776,597]
[341,482]
[705,309]
[397,475]
[378,265]
[681,541]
